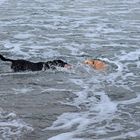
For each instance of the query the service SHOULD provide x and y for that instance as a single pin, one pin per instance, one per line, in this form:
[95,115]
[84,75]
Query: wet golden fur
[96,64]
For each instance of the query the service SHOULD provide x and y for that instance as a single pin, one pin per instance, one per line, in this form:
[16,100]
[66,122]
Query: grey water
[80,103]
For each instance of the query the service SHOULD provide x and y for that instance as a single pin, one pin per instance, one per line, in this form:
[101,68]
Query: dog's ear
[93,62]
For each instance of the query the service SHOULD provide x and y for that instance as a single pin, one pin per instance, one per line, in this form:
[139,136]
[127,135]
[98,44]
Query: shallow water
[88,104]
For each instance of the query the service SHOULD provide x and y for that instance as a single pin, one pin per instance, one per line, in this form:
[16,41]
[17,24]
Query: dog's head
[61,63]
[96,64]
[57,63]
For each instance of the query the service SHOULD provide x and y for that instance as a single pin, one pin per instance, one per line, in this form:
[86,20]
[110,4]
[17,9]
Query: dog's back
[24,65]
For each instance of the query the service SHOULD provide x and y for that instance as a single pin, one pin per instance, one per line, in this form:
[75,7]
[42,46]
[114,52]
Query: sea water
[73,30]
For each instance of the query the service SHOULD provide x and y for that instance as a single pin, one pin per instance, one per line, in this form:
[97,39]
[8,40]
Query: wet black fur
[24,65]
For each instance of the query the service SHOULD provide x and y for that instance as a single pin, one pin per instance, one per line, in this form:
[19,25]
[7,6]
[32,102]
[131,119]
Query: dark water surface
[77,104]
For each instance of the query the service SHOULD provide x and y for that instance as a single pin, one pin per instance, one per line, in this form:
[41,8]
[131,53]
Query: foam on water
[99,107]
[11,127]
[79,30]
[15,48]
[131,56]
[23,36]
[23,90]
[65,136]
[2,2]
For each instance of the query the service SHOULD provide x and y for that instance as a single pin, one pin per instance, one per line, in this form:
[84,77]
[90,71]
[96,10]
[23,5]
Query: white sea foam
[15,48]
[2,1]
[126,135]
[82,120]
[73,33]
[133,55]
[65,136]
[102,108]
[122,61]
[12,126]
[23,90]
[23,36]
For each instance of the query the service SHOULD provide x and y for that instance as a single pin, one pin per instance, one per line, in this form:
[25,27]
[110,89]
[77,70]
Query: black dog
[24,65]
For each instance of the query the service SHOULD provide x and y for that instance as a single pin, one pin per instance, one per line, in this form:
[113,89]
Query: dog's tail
[5,59]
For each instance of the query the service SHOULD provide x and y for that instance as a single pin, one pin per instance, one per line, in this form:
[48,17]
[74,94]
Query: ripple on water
[12,127]
[108,103]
